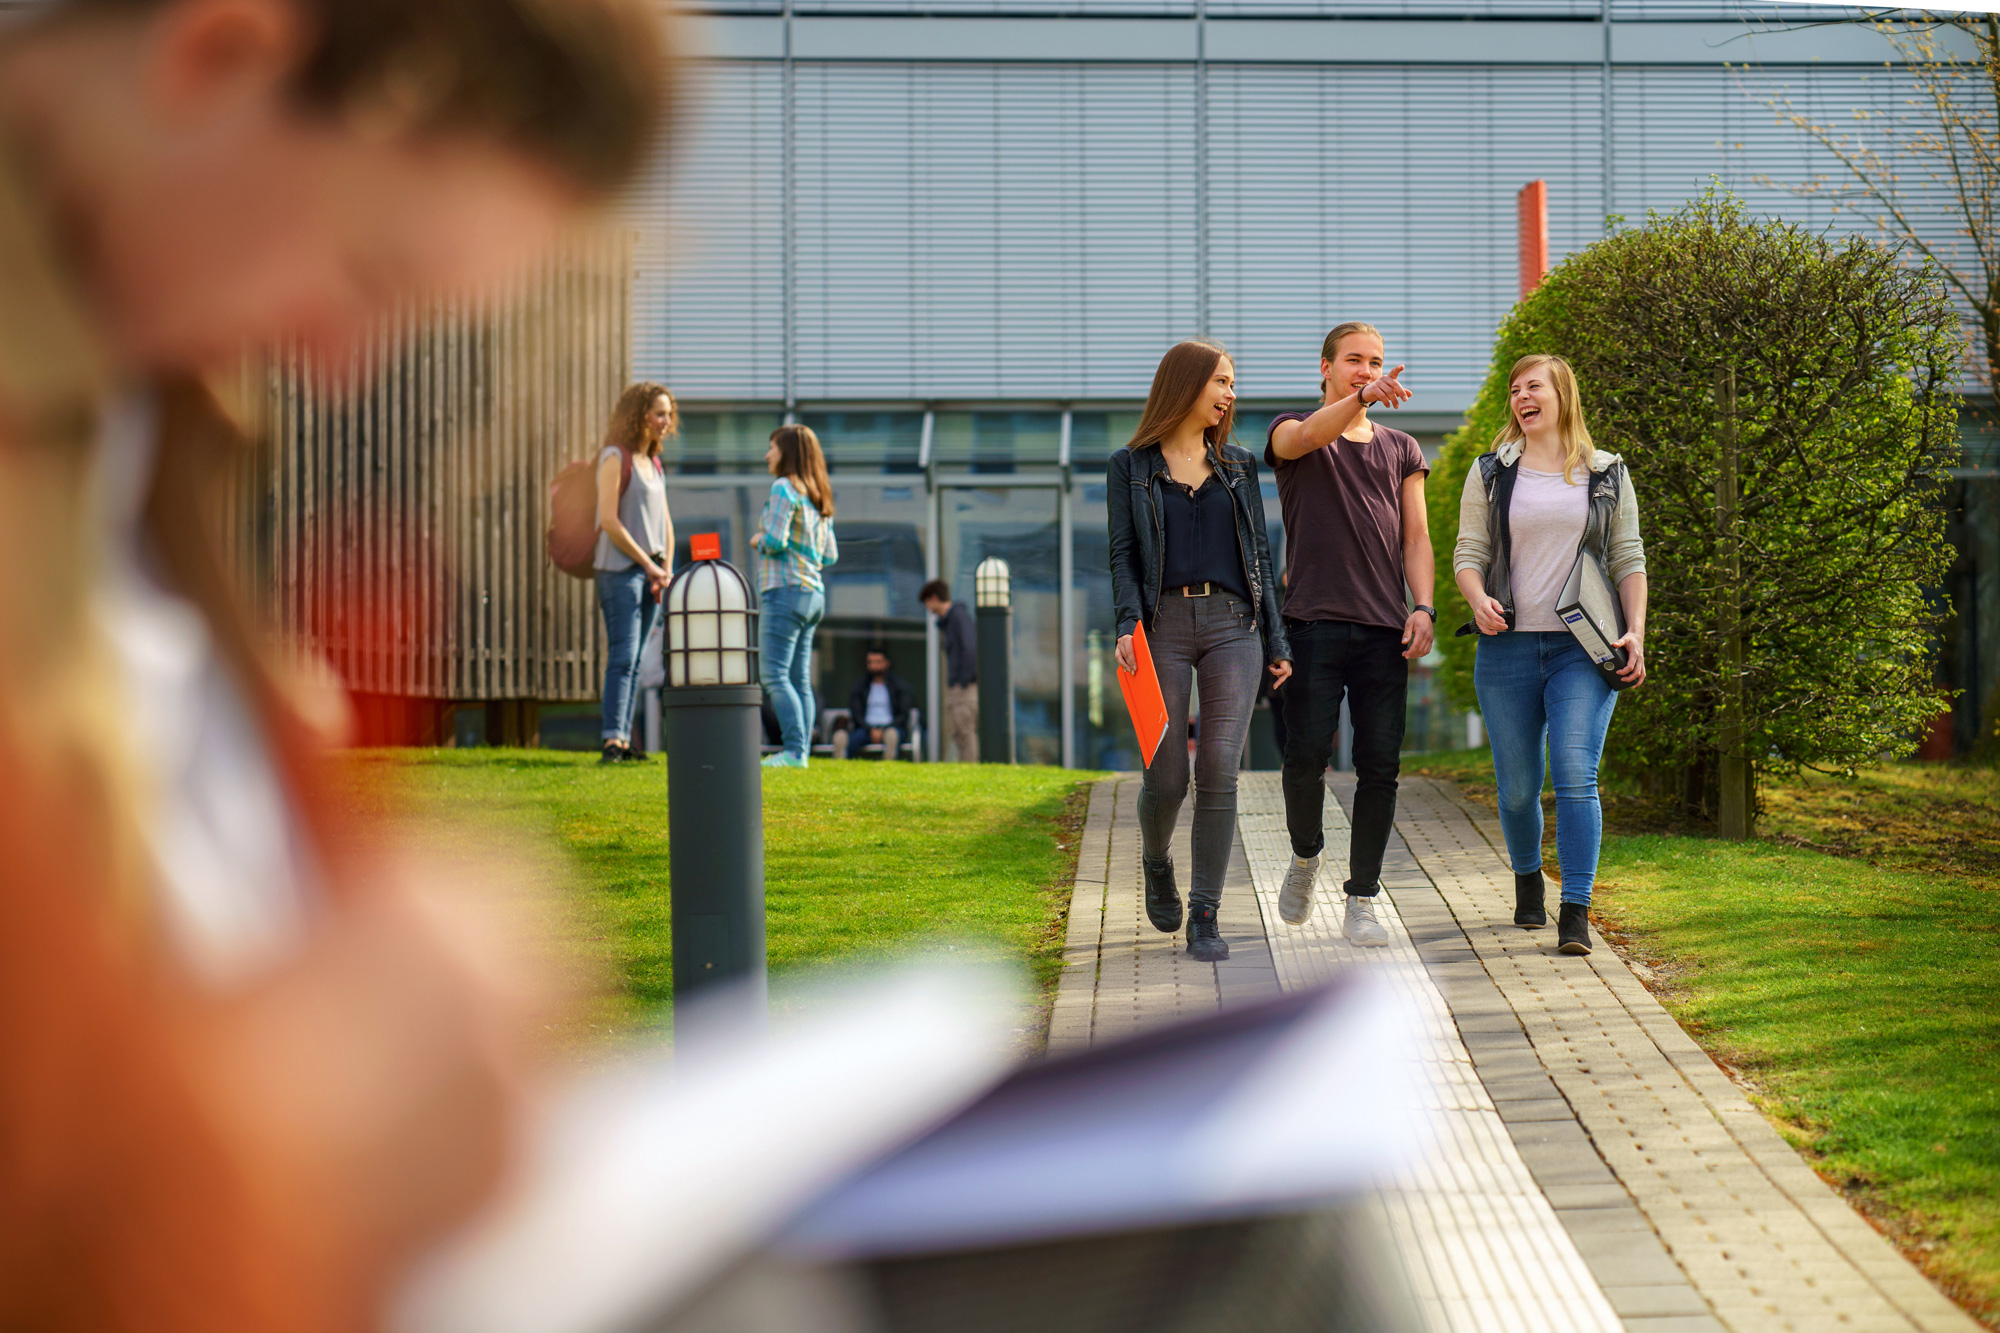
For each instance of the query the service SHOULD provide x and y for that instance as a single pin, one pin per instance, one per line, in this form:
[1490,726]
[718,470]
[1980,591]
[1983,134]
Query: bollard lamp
[992,584]
[711,634]
[711,715]
[993,595]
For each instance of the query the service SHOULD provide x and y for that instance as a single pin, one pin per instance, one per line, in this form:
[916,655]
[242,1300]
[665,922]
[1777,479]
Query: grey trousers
[1212,640]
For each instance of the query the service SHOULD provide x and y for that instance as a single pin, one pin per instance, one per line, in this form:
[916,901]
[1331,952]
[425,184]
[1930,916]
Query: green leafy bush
[1844,355]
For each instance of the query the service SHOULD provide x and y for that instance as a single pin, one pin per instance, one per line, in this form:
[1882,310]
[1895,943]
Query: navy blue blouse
[1201,537]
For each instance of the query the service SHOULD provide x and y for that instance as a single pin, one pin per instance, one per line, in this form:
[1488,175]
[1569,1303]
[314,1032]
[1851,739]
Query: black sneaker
[635,755]
[1573,928]
[1163,900]
[613,754]
[1204,939]
[1529,912]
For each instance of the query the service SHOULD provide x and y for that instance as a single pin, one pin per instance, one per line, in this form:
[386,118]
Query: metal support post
[996,685]
[715,830]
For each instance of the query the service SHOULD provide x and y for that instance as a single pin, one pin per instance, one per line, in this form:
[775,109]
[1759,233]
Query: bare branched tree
[1939,149]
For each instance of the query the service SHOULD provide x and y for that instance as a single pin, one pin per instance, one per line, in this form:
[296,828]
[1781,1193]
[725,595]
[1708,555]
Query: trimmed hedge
[1844,354]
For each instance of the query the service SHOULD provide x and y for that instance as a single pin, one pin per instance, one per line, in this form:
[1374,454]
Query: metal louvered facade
[392,522]
[1003,201]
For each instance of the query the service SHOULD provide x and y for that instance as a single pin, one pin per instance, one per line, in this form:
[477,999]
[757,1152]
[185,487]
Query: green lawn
[1846,964]
[861,858]
[1861,1002]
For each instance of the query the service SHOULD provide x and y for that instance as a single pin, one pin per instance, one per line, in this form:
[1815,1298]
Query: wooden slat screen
[393,520]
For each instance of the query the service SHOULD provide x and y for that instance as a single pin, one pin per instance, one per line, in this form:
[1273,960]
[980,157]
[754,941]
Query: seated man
[876,709]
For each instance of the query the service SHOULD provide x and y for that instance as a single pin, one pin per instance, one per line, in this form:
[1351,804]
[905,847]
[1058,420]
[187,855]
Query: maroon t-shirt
[1344,526]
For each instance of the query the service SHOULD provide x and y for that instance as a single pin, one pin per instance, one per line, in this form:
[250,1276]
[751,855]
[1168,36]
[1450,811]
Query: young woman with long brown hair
[1544,496]
[796,540]
[1191,559]
[635,541]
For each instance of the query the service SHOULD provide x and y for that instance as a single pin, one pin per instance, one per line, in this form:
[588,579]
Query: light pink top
[1546,522]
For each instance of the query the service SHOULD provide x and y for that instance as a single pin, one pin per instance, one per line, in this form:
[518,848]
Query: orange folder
[1143,700]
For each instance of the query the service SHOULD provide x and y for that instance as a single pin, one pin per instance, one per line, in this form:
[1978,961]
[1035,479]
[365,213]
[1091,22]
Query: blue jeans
[787,618]
[1535,686]
[628,618]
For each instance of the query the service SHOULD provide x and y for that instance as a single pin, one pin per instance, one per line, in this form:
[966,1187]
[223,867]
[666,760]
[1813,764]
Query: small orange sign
[705,546]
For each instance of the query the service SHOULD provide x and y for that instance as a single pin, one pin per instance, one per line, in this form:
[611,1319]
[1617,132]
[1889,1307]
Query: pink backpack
[572,539]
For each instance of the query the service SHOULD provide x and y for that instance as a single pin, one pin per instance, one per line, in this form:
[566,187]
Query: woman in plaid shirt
[796,540]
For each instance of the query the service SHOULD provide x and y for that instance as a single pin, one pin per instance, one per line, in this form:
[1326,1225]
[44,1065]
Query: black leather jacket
[1139,537]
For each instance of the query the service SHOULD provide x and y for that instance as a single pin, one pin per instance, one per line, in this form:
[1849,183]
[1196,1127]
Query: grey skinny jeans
[1214,640]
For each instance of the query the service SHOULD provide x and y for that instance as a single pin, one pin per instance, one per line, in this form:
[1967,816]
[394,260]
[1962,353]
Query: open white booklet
[884,1126]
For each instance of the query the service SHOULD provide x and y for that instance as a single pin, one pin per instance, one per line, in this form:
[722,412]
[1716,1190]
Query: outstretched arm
[1296,439]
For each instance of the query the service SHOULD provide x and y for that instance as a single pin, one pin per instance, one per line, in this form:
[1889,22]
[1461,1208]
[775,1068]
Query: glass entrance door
[1019,525]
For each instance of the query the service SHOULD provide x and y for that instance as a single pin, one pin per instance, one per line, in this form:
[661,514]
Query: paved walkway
[1592,1168]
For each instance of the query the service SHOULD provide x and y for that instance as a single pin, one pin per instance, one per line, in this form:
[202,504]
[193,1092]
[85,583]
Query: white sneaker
[1295,900]
[1361,928]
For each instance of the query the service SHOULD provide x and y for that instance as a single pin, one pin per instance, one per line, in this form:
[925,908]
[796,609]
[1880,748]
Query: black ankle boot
[1205,943]
[1528,909]
[1163,900]
[1573,928]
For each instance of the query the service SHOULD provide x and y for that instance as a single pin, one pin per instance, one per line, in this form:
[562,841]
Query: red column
[1532,204]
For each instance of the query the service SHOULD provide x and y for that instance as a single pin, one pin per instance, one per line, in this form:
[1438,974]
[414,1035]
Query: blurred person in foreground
[251,1061]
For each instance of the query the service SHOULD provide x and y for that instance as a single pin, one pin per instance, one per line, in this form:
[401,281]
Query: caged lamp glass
[992,584]
[711,626]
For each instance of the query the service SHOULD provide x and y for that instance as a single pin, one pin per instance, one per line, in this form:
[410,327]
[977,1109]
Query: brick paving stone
[1593,1168]
[1767,1243]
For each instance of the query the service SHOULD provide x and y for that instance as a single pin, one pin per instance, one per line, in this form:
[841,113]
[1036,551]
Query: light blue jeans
[1537,686]
[787,618]
[628,619]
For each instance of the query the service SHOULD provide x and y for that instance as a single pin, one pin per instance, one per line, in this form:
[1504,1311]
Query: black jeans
[1364,663]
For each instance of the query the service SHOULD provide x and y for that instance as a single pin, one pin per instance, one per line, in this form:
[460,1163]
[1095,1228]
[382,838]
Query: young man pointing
[1356,537]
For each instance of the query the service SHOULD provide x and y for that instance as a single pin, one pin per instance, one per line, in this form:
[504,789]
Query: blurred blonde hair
[1570,427]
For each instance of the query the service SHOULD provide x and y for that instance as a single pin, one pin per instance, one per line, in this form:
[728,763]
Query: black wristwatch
[1430,611]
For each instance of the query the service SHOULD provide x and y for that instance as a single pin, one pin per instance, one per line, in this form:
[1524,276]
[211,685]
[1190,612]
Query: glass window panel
[1019,526]
[1253,429]
[871,592]
[1104,737]
[996,441]
[710,442]
[728,511]
[1095,436]
[869,441]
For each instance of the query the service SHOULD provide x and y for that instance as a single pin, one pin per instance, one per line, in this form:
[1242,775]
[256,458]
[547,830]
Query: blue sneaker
[784,760]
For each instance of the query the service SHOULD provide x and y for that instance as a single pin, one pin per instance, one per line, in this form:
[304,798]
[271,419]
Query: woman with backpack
[1544,498]
[1190,559]
[635,538]
[795,538]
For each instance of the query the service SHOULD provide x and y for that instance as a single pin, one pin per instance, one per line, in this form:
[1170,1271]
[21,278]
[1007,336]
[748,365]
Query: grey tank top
[642,509]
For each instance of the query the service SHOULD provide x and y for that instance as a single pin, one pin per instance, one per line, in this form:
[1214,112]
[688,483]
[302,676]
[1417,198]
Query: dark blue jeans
[628,618]
[1332,659]
[1537,686]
